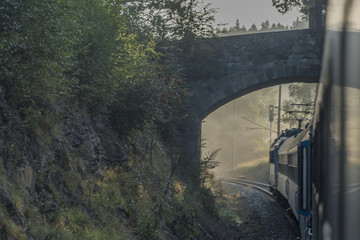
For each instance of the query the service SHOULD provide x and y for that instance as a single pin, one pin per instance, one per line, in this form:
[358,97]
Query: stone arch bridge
[246,63]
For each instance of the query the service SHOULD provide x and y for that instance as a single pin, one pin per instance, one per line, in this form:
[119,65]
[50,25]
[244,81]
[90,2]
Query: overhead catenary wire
[258,124]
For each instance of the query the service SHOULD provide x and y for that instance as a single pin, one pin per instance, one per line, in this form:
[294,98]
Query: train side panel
[293,198]
[274,160]
[283,185]
[293,179]
[272,176]
[336,152]
[304,205]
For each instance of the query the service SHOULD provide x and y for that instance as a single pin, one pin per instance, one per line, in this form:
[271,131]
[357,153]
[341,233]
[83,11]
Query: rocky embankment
[45,159]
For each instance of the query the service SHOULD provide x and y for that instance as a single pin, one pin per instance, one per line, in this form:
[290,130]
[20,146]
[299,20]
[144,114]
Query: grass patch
[226,208]
[72,180]
[53,190]
[11,229]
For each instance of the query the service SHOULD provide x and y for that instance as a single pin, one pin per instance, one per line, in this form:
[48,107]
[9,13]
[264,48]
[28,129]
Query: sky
[249,12]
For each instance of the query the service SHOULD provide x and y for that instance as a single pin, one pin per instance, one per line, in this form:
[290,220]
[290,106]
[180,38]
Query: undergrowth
[146,200]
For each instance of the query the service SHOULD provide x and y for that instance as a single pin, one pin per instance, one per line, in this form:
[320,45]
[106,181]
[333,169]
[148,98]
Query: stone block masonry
[248,63]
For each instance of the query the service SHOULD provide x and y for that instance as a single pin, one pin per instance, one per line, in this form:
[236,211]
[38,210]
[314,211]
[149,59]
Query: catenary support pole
[279,107]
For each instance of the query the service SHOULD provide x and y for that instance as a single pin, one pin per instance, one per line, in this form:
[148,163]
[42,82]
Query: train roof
[277,142]
[283,136]
[294,140]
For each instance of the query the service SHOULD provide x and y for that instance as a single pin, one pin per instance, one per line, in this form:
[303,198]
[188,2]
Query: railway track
[263,187]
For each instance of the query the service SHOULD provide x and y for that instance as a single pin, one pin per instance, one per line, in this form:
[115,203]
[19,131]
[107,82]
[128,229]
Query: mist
[241,128]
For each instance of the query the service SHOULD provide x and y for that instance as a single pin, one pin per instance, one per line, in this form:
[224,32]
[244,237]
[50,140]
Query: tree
[37,42]
[153,94]
[265,26]
[243,28]
[167,19]
[299,24]
[99,49]
[312,10]
[279,26]
[253,28]
[300,105]
[284,6]
[237,25]
[100,53]
[224,30]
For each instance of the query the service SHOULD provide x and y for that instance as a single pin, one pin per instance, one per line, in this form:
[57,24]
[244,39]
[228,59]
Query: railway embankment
[68,175]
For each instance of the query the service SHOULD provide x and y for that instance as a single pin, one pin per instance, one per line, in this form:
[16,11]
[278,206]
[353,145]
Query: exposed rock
[36,161]
[100,173]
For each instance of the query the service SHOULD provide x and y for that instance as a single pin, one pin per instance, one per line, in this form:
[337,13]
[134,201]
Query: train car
[325,194]
[335,174]
[273,156]
[273,162]
[293,157]
[291,154]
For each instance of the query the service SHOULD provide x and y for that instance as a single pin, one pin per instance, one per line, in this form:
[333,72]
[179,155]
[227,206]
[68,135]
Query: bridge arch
[214,103]
[249,63]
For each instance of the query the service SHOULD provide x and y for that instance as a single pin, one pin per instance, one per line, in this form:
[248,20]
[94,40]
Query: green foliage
[180,19]
[114,58]
[191,17]
[199,58]
[7,225]
[56,235]
[53,190]
[72,180]
[37,48]
[303,96]
[181,219]
[207,164]
[284,6]
[149,100]
[302,92]
[225,212]
[299,24]
[104,54]
[95,59]
[265,26]
[38,121]
[147,227]
[253,28]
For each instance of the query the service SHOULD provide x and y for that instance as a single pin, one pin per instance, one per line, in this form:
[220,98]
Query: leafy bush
[37,47]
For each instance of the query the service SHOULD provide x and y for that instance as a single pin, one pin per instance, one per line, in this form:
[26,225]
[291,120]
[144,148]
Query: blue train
[290,173]
[317,170]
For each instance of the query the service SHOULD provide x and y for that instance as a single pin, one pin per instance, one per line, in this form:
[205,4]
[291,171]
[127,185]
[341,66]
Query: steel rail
[256,185]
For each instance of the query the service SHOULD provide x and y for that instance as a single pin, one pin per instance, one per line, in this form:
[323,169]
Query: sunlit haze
[240,129]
